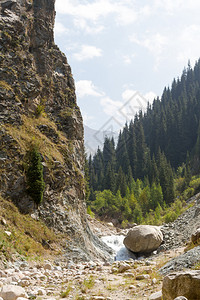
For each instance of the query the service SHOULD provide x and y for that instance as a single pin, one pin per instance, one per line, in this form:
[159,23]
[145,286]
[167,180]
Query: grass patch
[67,292]
[5,85]
[197,266]
[89,282]
[27,235]
[111,287]
[28,132]
[190,246]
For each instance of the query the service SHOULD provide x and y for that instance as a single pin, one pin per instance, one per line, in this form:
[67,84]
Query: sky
[124,52]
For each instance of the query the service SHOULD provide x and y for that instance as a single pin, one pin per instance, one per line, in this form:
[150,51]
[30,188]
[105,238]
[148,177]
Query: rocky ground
[132,279]
[179,232]
[120,280]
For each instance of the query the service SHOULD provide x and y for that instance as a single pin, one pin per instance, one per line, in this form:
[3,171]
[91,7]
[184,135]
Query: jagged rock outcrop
[185,284]
[38,105]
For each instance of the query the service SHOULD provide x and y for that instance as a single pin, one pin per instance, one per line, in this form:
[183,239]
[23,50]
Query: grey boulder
[143,238]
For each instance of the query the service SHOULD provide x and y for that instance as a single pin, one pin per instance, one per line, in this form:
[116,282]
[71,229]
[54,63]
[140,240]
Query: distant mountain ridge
[95,138]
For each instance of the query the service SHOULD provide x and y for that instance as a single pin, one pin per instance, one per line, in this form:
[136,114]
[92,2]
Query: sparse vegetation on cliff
[35,180]
[28,237]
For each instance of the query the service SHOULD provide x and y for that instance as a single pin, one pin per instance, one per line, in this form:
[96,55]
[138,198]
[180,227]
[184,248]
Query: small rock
[3,221]
[41,292]
[130,275]
[154,281]
[106,264]
[147,263]
[2,274]
[110,224]
[156,296]
[47,266]
[12,292]
[8,233]
[123,268]
[142,276]
[132,287]
[114,270]
[23,265]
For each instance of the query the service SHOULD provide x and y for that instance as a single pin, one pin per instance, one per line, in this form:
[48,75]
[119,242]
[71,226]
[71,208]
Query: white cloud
[111,107]
[60,29]
[83,25]
[188,44]
[172,6]
[134,102]
[131,103]
[150,96]
[87,52]
[124,11]
[155,43]
[125,14]
[169,5]
[87,88]
[128,59]
[87,118]
[127,94]
[90,11]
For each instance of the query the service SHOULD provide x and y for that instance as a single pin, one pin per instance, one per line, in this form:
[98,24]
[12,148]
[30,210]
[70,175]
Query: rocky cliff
[38,105]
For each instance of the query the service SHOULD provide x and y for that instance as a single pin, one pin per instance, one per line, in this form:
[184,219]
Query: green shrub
[188,193]
[35,179]
[90,212]
[89,282]
[39,110]
[124,224]
[195,184]
[66,293]
[171,216]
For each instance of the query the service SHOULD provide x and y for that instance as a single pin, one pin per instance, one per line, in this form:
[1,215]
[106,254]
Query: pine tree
[121,182]
[122,154]
[166,178]
[34,176]
[109,178]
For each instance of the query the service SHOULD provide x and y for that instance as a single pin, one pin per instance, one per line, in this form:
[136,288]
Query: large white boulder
[12,292]
[143,238]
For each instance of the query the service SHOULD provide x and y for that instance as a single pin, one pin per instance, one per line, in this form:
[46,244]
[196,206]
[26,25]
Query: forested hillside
[156,155]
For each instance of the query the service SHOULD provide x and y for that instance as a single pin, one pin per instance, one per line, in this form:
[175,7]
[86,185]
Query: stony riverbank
[61,279]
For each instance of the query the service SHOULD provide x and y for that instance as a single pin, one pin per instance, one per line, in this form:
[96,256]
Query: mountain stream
[116,243]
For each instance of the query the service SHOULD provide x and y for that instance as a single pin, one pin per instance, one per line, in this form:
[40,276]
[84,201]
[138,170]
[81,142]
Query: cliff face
[38,105]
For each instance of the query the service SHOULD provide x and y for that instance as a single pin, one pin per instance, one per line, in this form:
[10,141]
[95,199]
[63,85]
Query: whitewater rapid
[116,243]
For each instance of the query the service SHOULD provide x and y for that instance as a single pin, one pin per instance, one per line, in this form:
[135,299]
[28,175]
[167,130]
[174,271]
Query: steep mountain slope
[156,159]
[38,107]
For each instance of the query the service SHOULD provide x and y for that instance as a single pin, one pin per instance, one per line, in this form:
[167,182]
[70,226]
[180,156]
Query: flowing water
[116,243]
